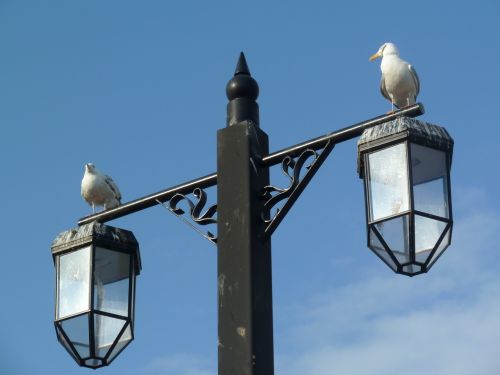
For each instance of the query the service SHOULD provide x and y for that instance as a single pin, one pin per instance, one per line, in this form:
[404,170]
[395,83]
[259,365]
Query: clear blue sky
[138,88]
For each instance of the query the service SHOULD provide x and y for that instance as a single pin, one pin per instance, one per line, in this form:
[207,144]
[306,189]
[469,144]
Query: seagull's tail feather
[112,203]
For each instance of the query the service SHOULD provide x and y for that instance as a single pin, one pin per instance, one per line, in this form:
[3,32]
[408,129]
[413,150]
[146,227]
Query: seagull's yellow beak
[375,56]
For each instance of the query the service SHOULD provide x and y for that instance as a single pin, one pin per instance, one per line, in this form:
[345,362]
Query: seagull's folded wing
[113,187]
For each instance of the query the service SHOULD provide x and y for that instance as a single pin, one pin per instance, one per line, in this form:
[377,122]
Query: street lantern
[96,266]
[405,164]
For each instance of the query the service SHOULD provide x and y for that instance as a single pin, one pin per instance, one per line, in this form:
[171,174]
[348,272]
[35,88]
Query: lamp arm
[315,144]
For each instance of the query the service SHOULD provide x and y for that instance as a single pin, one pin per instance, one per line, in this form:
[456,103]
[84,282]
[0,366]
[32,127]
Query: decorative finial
[242,85]
[242,67]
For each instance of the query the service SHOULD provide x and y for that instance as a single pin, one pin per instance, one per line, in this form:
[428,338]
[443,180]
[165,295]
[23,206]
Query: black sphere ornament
[242,85]
[242,91]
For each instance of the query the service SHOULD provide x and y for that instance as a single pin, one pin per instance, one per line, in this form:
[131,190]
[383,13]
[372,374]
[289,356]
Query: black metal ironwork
[245,323]
[244,272]
[292,168]
[318,143]
[196,213]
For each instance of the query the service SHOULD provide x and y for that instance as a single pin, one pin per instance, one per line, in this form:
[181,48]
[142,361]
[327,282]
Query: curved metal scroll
[292,168]
[195,211]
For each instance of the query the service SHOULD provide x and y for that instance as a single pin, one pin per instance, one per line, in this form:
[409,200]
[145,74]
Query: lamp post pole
[245,323]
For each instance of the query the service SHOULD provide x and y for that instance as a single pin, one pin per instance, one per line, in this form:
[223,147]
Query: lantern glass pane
[125,338]
[380,250]
[429,173]
[77,330]
[93,362]
[375,243]
[412,268]
[107,330]
[65,343]
[427,233]
[442,247]
[395,233]
[388,181]
[111,281]
[73,284]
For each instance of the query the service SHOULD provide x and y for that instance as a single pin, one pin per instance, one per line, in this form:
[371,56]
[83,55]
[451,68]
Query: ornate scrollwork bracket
[292,168]
[196,216]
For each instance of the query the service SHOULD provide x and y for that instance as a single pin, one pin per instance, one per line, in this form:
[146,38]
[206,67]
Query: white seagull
[99,189]
[399,84]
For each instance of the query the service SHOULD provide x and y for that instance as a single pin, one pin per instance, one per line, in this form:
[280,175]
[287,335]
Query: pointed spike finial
[242,91]
[242,66]
[242,85]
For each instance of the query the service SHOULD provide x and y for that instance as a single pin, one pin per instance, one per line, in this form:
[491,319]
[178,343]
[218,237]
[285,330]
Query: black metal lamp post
[96,266]
[406,167]
[248,210]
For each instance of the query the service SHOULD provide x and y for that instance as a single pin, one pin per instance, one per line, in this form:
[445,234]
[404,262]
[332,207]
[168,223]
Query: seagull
[399,84]
[99,189]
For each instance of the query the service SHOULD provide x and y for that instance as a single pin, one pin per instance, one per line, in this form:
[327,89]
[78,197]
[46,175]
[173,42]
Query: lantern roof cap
[402,128]
[97,234]
[419,131]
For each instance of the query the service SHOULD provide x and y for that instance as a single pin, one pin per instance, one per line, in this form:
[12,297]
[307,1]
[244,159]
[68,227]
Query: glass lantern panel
[427,233]
[388,182]
[107,330]
[111,281]
[395,233]
[73,284]
[442,247]
[422,256]
[375,243]
[412,268]
[429,173]
[125,338]
[379,249]
[65,343]
[77,330]
[93,362]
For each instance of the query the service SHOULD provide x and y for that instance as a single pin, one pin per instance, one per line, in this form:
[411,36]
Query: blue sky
[138,88]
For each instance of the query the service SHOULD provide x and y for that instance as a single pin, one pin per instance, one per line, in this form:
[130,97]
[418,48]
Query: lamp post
[249,209]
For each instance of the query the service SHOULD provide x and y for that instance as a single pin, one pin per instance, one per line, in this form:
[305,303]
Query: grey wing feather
[383,90]
[416,81]
[113,187]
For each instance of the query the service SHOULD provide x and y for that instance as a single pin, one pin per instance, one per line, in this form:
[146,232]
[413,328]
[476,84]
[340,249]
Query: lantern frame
[95,240]
[407,131]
